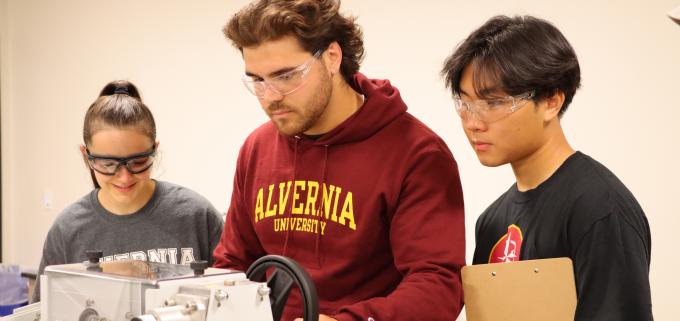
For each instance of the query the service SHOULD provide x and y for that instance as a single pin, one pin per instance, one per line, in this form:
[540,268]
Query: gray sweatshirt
[176,226]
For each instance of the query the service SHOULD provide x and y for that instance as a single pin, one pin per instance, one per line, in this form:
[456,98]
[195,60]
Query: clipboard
[532,290]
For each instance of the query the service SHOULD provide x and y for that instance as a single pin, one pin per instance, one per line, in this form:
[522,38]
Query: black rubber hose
[257,273]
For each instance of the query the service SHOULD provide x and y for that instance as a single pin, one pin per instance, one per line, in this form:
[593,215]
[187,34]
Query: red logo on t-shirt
[508,247]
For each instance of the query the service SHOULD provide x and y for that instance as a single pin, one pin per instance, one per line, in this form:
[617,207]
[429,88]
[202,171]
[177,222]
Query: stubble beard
[305,118]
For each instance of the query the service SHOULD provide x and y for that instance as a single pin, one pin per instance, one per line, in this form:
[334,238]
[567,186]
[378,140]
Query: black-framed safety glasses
[108,165]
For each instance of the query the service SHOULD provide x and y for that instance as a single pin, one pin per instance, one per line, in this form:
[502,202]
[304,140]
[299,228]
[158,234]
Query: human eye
[140,161]
[466,104]
[105,163]
[293,74]
[253,79]
[494,104]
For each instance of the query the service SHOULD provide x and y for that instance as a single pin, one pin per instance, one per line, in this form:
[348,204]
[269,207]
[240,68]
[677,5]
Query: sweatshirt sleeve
[611,266]
[239,246]
[427,236]
[53,253]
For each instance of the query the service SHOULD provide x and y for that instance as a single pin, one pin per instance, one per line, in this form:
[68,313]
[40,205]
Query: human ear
[333,57]
[553,105]
[83,151]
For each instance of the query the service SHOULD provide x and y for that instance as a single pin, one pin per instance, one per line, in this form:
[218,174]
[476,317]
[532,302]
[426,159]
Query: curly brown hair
[315,23]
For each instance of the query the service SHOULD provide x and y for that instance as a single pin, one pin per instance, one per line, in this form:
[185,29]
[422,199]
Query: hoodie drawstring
[290,212]
[319,206]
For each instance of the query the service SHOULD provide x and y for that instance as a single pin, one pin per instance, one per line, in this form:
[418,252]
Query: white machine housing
[148,291]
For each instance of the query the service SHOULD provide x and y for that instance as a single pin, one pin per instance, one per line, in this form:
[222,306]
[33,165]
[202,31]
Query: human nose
[123,172]
[270,93]
[471,121]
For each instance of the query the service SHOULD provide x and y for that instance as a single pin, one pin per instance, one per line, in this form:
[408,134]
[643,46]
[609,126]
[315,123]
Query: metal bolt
[263,291]
[221,296]
[169,303]
[493,273]
[191,306]
[535,270]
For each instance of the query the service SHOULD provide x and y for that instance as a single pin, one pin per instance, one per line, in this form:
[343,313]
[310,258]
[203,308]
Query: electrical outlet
[47,200]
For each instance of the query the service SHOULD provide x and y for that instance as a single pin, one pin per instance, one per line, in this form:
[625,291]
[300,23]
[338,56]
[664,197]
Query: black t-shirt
[585,213]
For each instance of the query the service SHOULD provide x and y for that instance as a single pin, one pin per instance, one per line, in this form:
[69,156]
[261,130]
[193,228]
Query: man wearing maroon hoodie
[342,179]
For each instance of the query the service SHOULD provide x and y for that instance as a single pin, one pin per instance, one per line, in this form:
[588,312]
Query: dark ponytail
[119,105]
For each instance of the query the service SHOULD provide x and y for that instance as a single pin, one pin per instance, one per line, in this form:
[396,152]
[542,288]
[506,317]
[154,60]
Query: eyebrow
[111,157]
[485,92]
[489,92]
[275,73]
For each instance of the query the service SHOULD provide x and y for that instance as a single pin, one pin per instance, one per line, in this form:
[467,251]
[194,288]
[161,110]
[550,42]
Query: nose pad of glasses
[472,121]
[467,112]
[270,93]
[123,170]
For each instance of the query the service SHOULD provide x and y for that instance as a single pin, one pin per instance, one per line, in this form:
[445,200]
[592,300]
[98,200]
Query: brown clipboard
[532,290]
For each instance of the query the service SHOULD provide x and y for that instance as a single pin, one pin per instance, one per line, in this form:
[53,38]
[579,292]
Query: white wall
[56,55]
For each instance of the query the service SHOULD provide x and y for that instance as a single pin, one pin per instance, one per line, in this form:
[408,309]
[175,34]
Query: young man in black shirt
[512,80]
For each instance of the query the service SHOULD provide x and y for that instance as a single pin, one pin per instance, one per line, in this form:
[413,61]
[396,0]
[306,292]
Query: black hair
[518,54]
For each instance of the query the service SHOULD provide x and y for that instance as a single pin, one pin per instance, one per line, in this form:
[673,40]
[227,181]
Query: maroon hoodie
[373,210]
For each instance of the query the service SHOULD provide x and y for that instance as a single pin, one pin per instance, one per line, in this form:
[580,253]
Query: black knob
[94,255]
[199,267]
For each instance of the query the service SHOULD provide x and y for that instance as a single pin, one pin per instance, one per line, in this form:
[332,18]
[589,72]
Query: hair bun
[121,91]
[121,87]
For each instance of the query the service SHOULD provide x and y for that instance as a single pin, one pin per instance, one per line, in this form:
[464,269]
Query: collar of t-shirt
[313,137]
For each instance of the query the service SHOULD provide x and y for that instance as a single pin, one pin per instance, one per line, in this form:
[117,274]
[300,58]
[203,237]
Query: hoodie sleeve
[427,236]
[239,246]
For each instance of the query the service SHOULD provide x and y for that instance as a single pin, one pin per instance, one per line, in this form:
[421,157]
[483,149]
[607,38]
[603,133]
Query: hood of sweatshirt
[382,105]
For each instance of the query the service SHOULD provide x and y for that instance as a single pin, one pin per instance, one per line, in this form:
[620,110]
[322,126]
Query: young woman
[128,215]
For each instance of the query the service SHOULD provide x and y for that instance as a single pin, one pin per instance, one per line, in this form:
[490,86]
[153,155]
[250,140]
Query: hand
[322,317]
